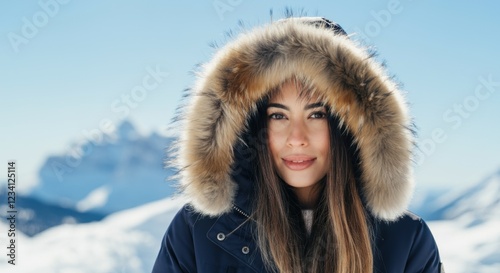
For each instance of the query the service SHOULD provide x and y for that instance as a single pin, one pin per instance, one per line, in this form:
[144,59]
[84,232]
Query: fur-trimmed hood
[356,88]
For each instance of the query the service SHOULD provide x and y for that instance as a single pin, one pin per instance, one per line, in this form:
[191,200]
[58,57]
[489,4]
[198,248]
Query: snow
[468,234]
[478,203]
[96,199]
[480,200]
[466,249]
[126,241]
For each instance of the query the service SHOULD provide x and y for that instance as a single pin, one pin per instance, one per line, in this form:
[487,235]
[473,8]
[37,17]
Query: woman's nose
[297,135]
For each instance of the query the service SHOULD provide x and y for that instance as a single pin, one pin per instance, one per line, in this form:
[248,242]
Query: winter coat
[213,233]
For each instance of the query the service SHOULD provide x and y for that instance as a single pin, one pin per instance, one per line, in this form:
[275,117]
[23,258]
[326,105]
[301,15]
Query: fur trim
[356,87]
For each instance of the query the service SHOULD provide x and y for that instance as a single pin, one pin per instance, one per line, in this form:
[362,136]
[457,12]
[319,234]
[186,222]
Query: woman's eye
[276,116]
[318,115]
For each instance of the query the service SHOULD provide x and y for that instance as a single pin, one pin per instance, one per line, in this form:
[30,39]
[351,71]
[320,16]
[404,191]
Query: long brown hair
[340,240]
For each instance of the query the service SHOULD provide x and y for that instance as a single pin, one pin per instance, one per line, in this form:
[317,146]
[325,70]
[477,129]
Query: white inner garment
[308,219]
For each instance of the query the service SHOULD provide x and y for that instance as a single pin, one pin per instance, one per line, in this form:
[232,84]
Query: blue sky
[72,67]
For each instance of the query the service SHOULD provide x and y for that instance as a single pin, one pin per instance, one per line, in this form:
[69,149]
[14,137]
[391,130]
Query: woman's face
[298,137]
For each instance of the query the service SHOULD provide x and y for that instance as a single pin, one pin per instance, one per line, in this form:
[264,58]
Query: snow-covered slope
[126,241]
[474,205]
[468,227]
[468,249]
[35,216]
[119,173]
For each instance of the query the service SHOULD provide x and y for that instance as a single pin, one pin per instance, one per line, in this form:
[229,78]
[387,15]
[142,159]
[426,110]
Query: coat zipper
[241,212]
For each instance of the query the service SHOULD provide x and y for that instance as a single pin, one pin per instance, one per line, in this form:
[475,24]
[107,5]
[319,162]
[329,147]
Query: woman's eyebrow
[314,105]
[278,105]
[307,107]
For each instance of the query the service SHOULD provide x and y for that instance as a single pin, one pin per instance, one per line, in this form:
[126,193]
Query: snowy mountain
[116,173]
[473,205]
[423,202]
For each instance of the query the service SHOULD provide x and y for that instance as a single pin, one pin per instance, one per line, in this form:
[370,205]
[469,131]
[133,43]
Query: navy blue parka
[198,243]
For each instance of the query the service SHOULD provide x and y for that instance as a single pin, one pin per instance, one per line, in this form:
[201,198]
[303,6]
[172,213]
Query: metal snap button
[245,250]
[221,236]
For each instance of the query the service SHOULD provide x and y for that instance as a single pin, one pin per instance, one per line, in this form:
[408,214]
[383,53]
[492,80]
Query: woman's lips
[298,163]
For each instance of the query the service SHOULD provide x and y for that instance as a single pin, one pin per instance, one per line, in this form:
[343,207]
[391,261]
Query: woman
[296,157]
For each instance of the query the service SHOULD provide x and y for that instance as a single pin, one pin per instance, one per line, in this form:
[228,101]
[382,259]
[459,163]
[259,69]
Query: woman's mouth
[298,164]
